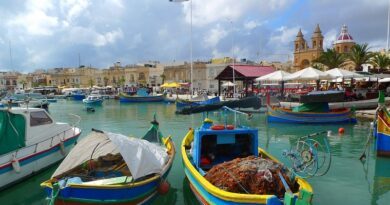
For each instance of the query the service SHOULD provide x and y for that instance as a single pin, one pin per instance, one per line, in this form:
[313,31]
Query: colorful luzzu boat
[135,179]
[285,115]
[236,141]
[141,96]
[382,129]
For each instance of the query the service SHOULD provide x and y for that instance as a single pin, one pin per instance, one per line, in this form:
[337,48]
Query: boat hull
[131,99]
[206,193]
[140,192]
[284,116]
[382,134]
[78,96]
[31,163]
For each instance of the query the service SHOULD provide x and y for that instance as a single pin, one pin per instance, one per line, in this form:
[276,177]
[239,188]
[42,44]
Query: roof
[244,72]
[344,35]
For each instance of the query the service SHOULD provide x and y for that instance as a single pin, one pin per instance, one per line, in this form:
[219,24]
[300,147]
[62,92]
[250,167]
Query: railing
[62,136]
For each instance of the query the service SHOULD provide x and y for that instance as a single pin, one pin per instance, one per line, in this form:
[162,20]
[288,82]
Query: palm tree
[331,59]
[380,61]
[360,55]
[91,82]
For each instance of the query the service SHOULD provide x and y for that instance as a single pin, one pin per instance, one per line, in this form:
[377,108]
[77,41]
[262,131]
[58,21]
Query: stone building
[303,53]
[344,41]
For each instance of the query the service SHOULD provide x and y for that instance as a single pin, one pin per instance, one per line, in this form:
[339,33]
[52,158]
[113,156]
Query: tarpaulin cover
[312,107]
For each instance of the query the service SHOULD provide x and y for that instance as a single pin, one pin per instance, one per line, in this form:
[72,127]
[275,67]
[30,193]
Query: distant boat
[93,100]
[78,95]
[196,102]
[141,96]
[113,168]
[30,140]
[34,100]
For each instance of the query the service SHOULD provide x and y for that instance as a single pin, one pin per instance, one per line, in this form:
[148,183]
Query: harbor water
[349,181]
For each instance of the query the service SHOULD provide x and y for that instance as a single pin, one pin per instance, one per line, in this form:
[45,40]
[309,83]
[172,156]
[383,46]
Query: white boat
[93,100]
[30,140]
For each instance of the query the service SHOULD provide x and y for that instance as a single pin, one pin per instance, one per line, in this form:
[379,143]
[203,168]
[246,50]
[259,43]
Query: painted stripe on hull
[31,158]
[141,99]
[310,120]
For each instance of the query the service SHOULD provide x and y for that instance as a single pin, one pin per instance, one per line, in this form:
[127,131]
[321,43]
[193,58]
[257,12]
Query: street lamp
[191,85]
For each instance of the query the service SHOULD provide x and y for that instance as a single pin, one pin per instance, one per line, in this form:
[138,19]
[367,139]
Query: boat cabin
[21,127]
[215,144]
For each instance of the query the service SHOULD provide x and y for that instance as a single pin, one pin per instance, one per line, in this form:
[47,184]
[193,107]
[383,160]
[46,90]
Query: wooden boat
[211,146]
[285,115]
[137,168]
[193,103]
[382,128]
[141,96]
[30,140]
[92,100]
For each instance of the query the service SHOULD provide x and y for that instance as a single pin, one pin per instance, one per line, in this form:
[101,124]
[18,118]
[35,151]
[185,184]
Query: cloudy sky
[47,34]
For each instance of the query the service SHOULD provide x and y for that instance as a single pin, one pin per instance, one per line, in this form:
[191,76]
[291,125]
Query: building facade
[303,53]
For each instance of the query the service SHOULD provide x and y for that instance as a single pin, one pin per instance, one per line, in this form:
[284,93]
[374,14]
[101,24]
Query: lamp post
[234,78]
[191,63]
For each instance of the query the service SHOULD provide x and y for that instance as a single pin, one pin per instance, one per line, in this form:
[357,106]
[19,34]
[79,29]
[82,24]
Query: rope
[54,193]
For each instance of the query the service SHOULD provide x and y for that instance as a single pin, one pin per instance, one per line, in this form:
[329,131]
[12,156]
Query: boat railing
[56,139]
[239,118]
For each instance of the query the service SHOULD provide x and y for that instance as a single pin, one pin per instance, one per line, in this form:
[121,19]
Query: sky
[43,34]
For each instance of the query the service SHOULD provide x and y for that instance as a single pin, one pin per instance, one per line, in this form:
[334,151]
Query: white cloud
[35,20]
[205,11]
[136,41]
[81,35]
[284,35]
[213,37]
[330,37]
[73,8]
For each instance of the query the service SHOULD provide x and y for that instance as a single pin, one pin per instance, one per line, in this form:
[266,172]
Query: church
[304,54]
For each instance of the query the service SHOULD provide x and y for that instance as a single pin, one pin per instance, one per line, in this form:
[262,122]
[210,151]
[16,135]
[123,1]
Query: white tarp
[90,147]
[341,73]
[384,80]
[227,84]
[275,76]
[142,157]
[309,73]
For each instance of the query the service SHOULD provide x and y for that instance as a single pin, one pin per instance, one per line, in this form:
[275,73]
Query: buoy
[218,127]
[341,130]
[230,127]
[15,164]
[329,133]
[62,148]
[163,187]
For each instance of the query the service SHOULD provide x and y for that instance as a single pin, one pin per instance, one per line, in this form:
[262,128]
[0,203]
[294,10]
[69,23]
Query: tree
[105,79]
[91,82]
[360,55]
[163,78]
[331,59]
[380,61]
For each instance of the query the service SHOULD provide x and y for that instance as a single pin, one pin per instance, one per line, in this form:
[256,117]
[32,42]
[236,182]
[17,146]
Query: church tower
[303,54]
[344,41]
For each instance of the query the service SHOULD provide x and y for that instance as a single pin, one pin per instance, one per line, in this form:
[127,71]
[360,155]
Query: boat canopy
[12,131]
[142,157]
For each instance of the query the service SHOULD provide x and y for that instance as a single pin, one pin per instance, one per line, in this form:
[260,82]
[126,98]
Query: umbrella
[227,84]
[170,85]
[275,76]
[309,73]
[341,73]
[384,80]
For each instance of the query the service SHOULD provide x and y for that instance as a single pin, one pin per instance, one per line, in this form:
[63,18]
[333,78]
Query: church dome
[344,36]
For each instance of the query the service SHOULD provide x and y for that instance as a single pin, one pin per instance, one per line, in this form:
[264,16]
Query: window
[345,49]
[39,118]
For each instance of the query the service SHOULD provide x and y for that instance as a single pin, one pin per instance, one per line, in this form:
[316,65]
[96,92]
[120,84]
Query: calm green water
[347,182]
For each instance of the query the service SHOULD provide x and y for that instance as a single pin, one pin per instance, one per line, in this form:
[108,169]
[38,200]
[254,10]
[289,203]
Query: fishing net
[251,175]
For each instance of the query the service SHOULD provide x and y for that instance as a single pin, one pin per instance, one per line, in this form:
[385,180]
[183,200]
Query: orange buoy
[230,127]
[218,127]
[163,187]
[341,130]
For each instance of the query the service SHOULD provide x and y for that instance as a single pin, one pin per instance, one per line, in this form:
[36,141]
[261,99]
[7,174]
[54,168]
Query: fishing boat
[34,100]
[207,152]
[141,96]
[77,94]
[313,110]
[382,128]
[112,168]
[93,100]
[30,140]
[200,100]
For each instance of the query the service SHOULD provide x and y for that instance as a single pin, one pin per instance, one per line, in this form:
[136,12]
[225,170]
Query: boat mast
[388,26]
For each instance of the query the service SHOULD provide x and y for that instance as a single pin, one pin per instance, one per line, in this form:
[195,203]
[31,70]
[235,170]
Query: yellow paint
[168,144]
[229,196]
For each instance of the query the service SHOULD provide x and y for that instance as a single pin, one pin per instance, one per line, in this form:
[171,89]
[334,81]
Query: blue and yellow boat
[382,129]
[231,142]
[108,168]
[305,114]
